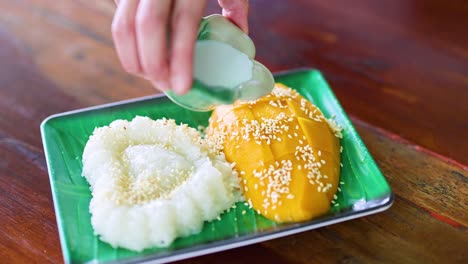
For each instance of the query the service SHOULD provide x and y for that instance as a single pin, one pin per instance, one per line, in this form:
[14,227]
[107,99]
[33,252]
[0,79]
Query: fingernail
[179,85]
[161,85]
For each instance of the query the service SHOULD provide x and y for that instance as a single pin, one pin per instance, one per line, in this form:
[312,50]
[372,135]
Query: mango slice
[286,153]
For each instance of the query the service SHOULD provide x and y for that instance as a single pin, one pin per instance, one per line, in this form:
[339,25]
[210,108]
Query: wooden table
[399,68]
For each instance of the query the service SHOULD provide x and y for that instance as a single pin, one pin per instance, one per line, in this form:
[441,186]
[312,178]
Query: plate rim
[221,245]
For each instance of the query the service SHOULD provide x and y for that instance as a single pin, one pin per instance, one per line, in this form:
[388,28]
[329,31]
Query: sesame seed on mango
[286,152]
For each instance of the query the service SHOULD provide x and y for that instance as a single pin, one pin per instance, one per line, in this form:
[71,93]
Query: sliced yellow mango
[286,154]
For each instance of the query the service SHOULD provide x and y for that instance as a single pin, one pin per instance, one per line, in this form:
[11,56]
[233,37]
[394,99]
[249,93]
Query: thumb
[237,11]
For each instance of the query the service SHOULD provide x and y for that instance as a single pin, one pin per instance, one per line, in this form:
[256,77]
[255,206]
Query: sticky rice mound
[154,181]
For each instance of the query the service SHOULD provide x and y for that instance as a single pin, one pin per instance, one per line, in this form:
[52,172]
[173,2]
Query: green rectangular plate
[365,190]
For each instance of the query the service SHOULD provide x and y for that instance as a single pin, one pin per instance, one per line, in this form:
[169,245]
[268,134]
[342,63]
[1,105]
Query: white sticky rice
[154,181]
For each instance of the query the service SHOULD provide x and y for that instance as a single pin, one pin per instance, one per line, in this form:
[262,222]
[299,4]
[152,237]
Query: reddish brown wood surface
[397,65]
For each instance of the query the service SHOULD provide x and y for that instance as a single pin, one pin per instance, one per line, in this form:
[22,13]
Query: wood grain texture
[395,64]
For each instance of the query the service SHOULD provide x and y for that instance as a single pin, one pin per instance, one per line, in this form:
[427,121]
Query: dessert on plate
[153,180]
[286,152]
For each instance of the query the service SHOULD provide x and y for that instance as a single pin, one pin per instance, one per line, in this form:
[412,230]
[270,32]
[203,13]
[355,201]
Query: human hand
[140,32]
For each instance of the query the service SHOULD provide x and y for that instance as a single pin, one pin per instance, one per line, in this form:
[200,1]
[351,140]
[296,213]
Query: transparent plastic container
[203,97]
